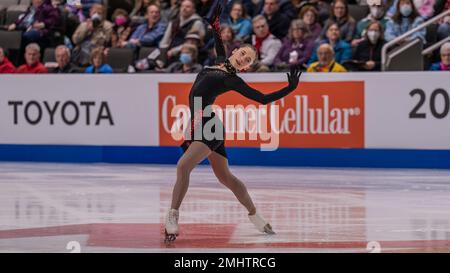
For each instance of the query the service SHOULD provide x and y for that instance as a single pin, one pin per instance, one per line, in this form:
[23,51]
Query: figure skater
[209,84]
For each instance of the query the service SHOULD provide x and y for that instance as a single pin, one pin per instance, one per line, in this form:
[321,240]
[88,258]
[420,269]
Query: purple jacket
[315,30]
[46,14]
[304,50]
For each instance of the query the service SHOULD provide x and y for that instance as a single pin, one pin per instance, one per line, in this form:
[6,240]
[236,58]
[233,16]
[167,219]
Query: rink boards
[348,119]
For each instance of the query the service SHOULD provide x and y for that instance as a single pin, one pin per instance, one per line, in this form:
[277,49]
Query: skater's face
[242,58]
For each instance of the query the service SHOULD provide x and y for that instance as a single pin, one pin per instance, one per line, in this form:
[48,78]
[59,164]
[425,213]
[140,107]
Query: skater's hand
[294,76]
[214,20]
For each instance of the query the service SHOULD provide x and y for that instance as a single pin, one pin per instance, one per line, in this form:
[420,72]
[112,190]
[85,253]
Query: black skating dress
[209,84]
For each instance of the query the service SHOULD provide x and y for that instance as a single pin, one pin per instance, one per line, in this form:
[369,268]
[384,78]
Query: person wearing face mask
[444,64]
[376,14]
[405,18]
[187,62]
[188,21]
[94,32]
[368,52]
[86,6]
[121,29]
[113,5]
[424,7]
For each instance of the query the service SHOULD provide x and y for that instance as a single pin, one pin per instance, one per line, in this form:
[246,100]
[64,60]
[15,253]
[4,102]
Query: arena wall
[332,120]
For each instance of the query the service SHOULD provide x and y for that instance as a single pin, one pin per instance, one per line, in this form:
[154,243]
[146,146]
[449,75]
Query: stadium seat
[4,5]
[2,15]
[10,39]
[13,11]
[144,52]
[12,15]
[358,12]
[120,58]
[49,55]
[431,34]
[7,3]
[404,57]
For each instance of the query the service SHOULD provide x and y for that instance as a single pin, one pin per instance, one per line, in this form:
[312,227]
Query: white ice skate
[261,224]
[171,230]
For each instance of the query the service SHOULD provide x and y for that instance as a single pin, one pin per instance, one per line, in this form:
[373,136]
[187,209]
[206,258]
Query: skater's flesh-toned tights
[195,154]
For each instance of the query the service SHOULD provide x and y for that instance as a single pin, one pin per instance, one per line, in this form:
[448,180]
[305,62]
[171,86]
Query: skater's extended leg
[220,167]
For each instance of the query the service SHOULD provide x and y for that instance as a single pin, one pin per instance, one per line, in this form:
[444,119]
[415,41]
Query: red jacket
[7,67]
[37,68]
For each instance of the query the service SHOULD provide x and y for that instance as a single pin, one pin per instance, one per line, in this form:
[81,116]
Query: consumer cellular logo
[234,122]
[316,115]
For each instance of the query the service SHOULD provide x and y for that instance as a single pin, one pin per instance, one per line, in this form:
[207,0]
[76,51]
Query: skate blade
[268,229]
[170,237]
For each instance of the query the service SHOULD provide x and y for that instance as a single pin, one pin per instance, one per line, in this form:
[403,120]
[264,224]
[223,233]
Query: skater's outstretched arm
[237,84]
[215,24]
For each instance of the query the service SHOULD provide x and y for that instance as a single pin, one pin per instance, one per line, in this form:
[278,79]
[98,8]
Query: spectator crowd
[171,35]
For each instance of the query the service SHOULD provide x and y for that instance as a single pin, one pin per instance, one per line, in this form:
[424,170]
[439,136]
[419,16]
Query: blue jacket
[436,67]
[105,68]
[342,51]
[149,37]
[393,30]
[242,28]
